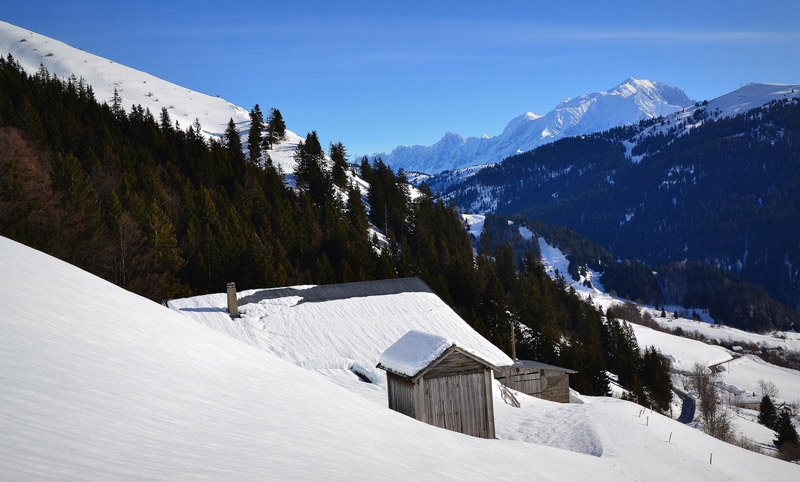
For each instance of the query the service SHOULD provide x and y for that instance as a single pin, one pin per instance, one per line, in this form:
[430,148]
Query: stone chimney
[233,305]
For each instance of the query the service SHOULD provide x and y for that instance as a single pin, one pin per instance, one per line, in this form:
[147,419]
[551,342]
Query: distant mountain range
[715,182]
[628,103]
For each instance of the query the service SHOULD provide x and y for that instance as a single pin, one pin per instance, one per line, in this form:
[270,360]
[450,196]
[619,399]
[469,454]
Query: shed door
[457,403]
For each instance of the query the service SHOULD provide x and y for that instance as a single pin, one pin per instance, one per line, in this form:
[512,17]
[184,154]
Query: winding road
[687,410]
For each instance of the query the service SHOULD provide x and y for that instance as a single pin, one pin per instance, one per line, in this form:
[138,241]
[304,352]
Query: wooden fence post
[233,305]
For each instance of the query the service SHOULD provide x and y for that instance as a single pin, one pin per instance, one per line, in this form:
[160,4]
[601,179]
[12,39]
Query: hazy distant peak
[627,103]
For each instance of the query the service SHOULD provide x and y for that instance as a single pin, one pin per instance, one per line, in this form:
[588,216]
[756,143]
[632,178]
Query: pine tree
[233,142]
[164,120]
[276,128]
[254,137]
[786,439]
[116,103]
[310,171]
[767,415]
[338,155]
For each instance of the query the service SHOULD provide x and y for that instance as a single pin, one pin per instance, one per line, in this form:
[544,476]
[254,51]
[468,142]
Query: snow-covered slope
[31,50]
[99,384]
[733,103]
[751,96]
[627,103]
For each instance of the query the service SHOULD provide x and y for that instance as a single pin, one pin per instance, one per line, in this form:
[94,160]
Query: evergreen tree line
[164,212]
[729,299]
[554,325]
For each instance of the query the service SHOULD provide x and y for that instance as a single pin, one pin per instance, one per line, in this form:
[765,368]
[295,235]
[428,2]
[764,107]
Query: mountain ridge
[33,51]
[627,103]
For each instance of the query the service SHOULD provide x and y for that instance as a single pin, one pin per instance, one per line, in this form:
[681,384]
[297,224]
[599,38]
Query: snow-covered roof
[535,364]
[339,328]
[413,352]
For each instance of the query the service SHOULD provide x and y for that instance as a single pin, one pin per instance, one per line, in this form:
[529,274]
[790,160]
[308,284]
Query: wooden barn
[539,380]
[435,381]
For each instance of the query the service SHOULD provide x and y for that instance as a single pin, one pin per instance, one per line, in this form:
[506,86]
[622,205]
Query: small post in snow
[710,458]
[648,421]
[670,438]
[233,305]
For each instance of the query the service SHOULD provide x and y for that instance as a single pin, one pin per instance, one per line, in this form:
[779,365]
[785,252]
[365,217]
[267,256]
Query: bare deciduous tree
[767,389]
[713,412]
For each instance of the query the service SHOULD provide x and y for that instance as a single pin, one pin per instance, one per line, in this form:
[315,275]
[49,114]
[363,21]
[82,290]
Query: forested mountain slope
[692,186]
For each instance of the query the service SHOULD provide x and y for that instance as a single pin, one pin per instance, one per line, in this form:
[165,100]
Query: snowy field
[783,339]
[744,373]
[683,353]
[101,384]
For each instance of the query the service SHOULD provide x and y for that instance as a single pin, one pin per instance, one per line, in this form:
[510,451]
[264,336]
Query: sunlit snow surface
[474,224]
[99,384]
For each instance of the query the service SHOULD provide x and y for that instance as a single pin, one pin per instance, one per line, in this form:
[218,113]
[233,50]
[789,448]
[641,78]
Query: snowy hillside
[100,384]
[134,87]
[627,103]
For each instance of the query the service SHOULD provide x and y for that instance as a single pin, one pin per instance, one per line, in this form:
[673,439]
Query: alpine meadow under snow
[101,384]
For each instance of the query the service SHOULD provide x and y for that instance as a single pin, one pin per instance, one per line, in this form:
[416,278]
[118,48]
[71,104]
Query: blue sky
[377,74]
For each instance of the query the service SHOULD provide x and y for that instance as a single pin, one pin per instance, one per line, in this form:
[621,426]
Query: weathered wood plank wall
[544,383]
[401,394]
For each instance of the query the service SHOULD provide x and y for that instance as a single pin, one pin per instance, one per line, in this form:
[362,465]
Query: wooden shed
[537,379]
[435,381]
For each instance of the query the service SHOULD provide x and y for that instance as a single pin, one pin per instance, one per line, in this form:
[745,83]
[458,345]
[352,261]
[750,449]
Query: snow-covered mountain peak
[631,86]
[627,103]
